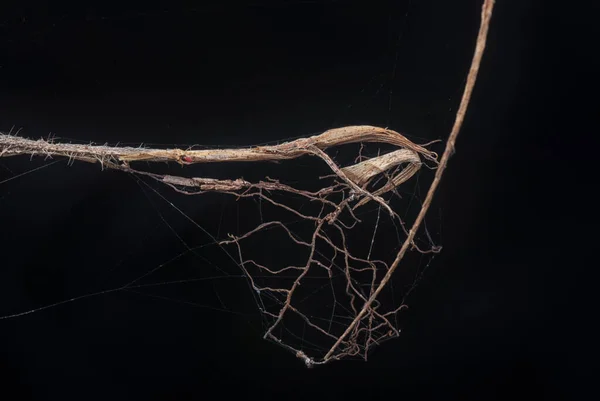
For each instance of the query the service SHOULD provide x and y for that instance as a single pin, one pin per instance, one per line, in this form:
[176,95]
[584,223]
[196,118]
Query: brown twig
[121,157]
[486,15]
[13,145]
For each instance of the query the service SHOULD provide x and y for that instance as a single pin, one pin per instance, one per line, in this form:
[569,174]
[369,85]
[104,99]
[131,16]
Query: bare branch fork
[369,324]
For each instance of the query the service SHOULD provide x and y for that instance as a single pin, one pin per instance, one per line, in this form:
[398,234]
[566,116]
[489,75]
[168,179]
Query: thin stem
[486,15]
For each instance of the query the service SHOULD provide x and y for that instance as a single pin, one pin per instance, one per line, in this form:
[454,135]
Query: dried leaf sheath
[360,174]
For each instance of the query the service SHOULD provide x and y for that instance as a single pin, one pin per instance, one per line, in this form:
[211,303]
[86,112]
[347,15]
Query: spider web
[233,248]
[272,247]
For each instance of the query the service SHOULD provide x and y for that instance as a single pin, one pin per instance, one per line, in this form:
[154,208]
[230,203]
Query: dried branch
[13,145]
[357,175]
[486,15]
[368,324]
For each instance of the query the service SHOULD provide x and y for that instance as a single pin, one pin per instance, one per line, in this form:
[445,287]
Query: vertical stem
[486,15]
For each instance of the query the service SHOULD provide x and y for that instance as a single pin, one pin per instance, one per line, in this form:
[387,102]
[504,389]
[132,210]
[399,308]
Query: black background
[488,321]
